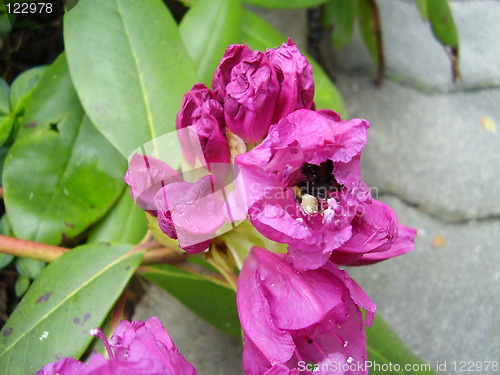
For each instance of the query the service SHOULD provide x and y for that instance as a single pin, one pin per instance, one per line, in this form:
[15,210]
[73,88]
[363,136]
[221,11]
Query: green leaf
[207,29]
[22,285]
[213,302]
[124,223]
[71,296]
[129,66]
[5,260]
[30,268]
[259,34]
[422,8]
[340,14]
[371,32]
[4,97]
[285,4]
[23,86]
[6,118]
[444,29]
[61,175]
[386,349]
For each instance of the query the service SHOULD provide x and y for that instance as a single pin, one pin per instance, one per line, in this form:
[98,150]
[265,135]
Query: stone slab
[414,56]
[430,150]
[442,301]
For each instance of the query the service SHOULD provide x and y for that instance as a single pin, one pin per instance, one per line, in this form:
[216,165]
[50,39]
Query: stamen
[98,333]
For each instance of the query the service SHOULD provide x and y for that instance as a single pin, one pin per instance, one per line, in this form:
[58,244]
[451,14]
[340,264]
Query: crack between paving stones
[420,88]
[432,215]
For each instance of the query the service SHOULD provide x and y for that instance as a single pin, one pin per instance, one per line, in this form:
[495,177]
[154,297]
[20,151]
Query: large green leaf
[259,34]
[444,29]
[61,175]
[386,349]
[207,29]
[126,223]
[129,66]
[213,302]
[339,15]
[71,296]
[286,4]
[23,86]
[6,118]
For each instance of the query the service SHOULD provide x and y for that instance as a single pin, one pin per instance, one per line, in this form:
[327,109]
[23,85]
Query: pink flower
[205,115]
[303,183]
[137,348]
[295,78]
[247,85]
[192,212]
[145,176]
[376,236]
[290,318]
[257,89]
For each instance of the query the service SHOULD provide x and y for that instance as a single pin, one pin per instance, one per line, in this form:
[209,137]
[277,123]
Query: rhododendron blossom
[136,348]
[290,317]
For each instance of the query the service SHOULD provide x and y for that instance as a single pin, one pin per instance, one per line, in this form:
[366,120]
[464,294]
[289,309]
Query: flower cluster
[295,174]
[136,348]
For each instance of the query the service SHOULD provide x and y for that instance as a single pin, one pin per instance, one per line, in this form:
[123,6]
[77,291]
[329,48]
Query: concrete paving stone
[414,56]
[209,350]
[430,150]
[442,299]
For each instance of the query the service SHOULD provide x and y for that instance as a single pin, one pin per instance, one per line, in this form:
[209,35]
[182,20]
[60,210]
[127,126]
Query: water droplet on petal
[350,360]
[346,343]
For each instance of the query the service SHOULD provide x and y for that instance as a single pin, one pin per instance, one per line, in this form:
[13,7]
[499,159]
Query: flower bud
[205,115]
[247,85]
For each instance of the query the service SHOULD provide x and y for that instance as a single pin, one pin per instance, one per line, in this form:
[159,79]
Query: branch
[30,249]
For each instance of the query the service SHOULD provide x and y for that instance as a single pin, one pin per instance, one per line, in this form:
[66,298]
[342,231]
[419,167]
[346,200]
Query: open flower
[137,348]
[303,183]
[291,318]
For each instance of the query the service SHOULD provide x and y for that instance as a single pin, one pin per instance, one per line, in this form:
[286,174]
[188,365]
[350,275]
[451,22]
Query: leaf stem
[30,249]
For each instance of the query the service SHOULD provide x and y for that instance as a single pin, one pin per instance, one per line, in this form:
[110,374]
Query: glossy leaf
[5,260]
[213,302]
[371,31]
[285,4]
[207,29]
[129,66]
[61,175]
[422,8]
[259,34]
[444,29]
[71,296]
[30,268]
[386,349]
[23,86]
[6,118]
[125,222]
[339,15]
[21,286]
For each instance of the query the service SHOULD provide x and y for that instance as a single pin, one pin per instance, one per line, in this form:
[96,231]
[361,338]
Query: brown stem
[30,249]
[163,255]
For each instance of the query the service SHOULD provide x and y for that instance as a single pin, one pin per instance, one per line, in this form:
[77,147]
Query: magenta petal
[275,345]
[404,242]
[65,366]
[295,79]
[318,309]
[202,113]
[192,212]
[145,176]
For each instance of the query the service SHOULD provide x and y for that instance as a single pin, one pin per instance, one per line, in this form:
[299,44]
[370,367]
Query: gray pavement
[432,160]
